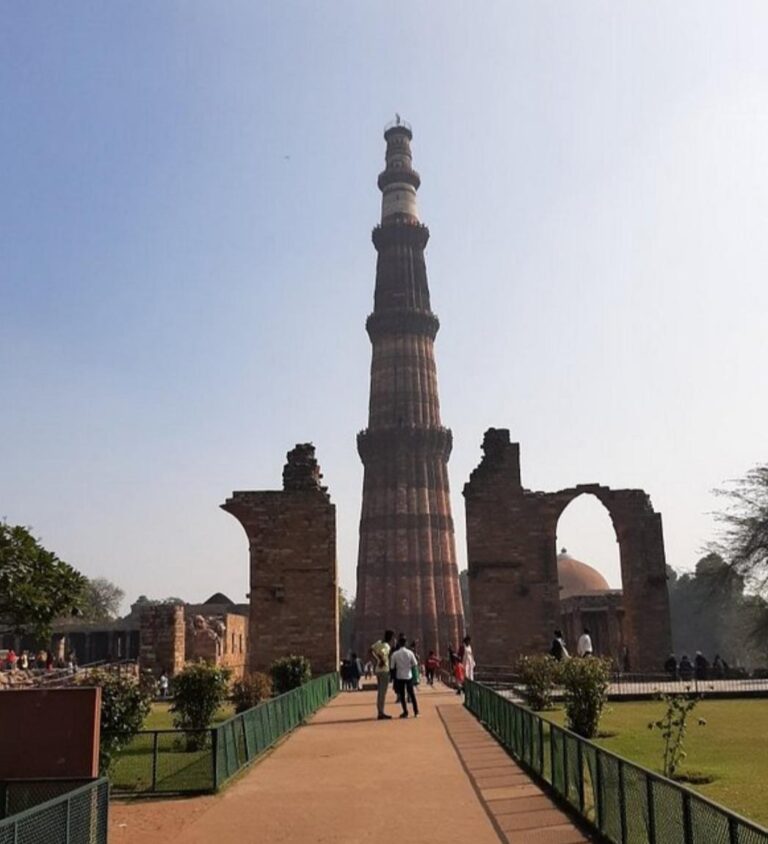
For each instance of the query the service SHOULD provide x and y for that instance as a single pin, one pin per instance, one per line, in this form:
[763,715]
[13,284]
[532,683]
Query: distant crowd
[698,669]
[43,660]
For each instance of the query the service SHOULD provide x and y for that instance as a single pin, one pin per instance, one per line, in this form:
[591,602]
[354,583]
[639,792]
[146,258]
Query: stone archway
[512,561]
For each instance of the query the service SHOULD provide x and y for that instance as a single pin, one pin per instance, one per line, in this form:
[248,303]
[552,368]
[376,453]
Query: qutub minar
[407,577]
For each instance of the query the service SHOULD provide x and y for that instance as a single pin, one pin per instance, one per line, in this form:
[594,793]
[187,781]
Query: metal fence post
[580,781]
[154,762]
[69,818]
[687,819]
[622,803]
[565,766]
[733,830]
[651,810]
[599,789]
[215,757]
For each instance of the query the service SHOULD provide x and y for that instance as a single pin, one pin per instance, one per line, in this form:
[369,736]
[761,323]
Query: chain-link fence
[637,686]
[628,804]
[184,762]
[34,816]
[238,741]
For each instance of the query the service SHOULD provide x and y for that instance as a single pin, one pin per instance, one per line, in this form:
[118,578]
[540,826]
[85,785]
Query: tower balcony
[400,231]
[384,442]
[381,323]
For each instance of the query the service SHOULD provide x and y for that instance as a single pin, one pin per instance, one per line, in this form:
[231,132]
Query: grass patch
[161,718]
[727,759]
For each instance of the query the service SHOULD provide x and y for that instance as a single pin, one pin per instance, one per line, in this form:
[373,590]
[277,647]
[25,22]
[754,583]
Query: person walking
[670,666]
[380,652]
[558,649]
[468,659]
[403,662]
[584,645]
[432,664]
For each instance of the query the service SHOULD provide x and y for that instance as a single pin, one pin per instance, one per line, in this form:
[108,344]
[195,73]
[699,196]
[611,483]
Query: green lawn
[732,747]
[160,718]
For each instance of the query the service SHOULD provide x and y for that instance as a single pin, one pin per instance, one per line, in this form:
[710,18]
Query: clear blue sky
[188,190]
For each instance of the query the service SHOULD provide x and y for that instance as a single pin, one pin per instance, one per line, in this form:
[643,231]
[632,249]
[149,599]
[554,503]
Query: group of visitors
[352,671]
[698,669]
[462,663]
[396,660]
[43,660]
[559,651]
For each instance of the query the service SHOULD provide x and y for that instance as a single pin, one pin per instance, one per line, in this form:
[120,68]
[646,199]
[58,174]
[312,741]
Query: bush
[251,691]
[124,706]
[290,672]
[585,682]
[539,675]
[199,690]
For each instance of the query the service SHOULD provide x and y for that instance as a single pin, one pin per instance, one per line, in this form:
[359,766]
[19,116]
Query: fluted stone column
[407,577]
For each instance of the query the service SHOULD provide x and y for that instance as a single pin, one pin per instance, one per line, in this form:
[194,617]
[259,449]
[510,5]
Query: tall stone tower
[407,577]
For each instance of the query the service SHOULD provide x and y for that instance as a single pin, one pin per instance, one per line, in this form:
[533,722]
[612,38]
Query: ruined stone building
[161,636]
[514,583]
[294,595]
[407,577]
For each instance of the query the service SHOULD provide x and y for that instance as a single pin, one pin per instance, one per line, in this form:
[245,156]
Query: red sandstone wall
[51,733]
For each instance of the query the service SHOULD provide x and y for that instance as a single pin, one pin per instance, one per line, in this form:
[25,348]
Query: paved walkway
[346,777]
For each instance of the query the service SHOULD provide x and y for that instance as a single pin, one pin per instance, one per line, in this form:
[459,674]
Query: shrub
[585,682]
[199,690]
[251,690]
[124,706]
[672,727]
[538,674]
[290,672]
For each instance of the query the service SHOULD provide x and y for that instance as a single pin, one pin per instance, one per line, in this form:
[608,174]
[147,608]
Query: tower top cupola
[398,182]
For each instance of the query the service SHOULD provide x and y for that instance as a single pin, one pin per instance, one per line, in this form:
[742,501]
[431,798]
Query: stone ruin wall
[294,586]
[162,638]
[512,562]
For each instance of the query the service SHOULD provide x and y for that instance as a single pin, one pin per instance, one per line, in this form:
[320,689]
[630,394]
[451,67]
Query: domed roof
[218,598]
[577,578]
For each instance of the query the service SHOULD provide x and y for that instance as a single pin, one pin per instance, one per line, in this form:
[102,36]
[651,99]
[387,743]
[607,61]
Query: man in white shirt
[584,646]
[403,661]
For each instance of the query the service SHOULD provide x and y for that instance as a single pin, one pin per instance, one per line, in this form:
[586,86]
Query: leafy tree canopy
[713,611]
[36,587]
[101,600]
[346,621]
[744,522]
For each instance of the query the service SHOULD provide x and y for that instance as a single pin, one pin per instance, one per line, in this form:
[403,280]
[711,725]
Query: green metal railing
[628,804]
[189,761]
[78,816]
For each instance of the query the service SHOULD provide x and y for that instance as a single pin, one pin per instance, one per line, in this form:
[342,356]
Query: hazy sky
[188,190]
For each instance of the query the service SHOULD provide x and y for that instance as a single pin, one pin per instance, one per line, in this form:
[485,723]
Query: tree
[143,600]
[712,611]
[36,587]
[101,600]
[346,622]
[198,692]
[744,536]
